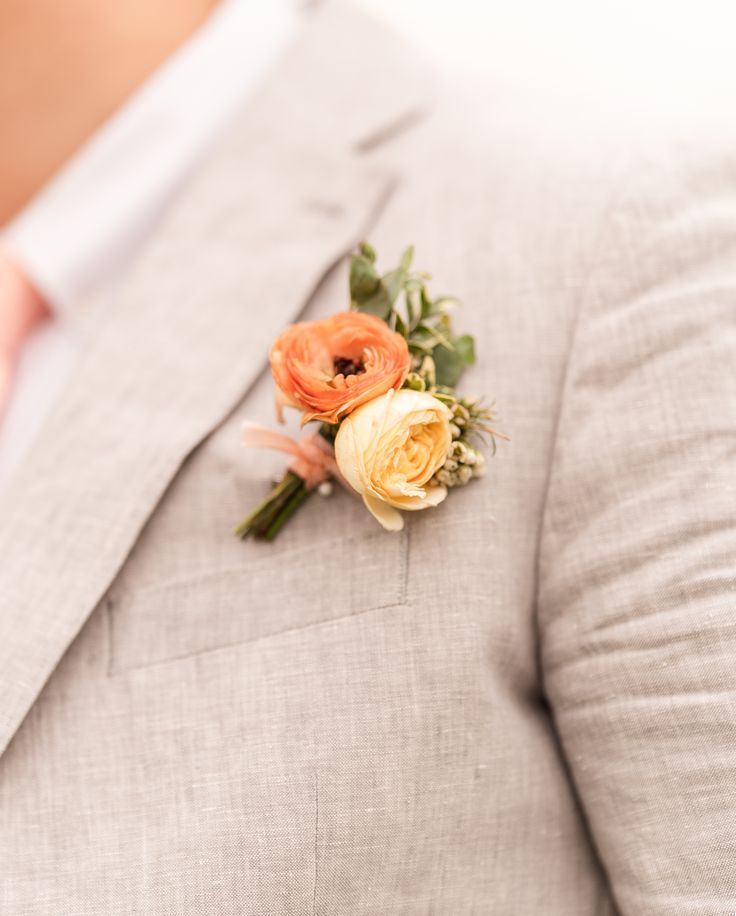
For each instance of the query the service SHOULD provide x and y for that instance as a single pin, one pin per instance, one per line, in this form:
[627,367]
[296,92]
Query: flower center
[346,367]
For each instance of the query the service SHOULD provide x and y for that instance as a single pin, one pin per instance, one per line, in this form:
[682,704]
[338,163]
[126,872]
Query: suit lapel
[284,197]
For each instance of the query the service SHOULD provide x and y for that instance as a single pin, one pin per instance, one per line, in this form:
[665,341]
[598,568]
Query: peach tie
[21,309]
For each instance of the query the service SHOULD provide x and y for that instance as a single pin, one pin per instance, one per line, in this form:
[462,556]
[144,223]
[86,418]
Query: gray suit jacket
[523,704]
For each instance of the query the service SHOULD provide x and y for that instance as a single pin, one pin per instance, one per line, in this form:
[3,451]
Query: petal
[390,518]
[349,457]
[433,497]
[283,400]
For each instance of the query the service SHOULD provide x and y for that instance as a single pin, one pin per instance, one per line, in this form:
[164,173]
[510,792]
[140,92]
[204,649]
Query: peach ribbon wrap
[313,459]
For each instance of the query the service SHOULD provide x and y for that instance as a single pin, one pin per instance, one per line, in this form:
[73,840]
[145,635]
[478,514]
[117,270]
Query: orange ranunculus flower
[329,367]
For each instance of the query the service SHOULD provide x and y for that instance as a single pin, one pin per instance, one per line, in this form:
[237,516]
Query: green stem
[288,510]
[270,516]
[261,518]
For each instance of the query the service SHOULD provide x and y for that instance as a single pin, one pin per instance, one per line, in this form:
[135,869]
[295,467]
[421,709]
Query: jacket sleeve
[637,585]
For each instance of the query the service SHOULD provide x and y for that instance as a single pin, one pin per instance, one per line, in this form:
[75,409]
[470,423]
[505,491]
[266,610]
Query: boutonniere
[380,381]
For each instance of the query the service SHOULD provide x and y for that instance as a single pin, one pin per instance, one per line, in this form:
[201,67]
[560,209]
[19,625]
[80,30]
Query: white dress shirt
[78,235]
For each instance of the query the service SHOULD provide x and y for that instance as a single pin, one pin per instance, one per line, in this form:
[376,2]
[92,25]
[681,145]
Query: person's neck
[66,67]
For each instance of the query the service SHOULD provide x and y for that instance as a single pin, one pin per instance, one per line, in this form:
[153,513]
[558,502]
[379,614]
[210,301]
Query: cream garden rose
[390,448]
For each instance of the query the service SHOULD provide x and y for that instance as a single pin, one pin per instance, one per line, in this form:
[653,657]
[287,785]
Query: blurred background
[651,53]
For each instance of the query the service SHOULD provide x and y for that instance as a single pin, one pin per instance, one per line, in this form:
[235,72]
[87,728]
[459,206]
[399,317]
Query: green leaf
[465,346]
[368,251]
[364,280]
[414,382]
[378,303]
[442,305]
[448,365]
[399,324]
[442,335]
[406,259]
[393,283]
[372,293]
[426,303]
[423,336]
[450,361]
[413,306]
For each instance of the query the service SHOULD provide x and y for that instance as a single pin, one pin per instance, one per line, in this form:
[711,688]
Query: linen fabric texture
[521,704]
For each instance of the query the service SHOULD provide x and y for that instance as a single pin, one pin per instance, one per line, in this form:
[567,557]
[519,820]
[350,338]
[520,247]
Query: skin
[66,67]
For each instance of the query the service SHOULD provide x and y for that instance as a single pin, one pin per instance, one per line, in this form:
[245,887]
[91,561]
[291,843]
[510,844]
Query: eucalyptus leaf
[413,306]
[364,279]
[368,251]
[423,321]
[393,283]
[378,303]
[465,346]
[406,258]
[423,334]
[426,303]
[442,335]
[442,305]
[399,324]
[448,365]
[450,360]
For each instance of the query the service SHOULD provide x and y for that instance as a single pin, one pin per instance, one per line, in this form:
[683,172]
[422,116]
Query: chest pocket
[268,593]
[191,586]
